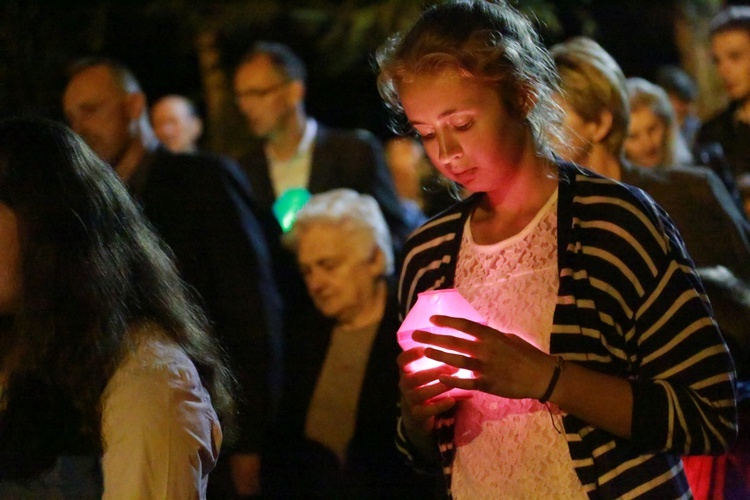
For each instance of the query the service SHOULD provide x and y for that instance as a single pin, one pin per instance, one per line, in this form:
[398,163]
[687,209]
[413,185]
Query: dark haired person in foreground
[109,382]
[200,205]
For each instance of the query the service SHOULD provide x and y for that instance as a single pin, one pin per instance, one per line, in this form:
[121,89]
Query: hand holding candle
[500,363]
[440,350]
[449,333]
[436,302]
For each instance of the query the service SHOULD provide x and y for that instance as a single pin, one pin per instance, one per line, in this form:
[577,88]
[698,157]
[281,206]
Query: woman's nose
[448,147]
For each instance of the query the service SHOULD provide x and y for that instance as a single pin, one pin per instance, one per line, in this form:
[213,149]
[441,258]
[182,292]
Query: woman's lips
[465,175]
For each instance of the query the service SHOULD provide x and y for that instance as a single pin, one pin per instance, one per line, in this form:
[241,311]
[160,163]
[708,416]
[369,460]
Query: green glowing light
[287,205]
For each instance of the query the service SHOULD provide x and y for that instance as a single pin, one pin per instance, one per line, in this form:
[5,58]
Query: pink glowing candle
[448,302]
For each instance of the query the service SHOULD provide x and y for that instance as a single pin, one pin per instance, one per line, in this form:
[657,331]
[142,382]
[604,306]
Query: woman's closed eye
[463,125]
[424,134]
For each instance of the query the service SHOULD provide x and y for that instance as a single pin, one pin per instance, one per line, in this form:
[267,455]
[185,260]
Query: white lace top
[509,448]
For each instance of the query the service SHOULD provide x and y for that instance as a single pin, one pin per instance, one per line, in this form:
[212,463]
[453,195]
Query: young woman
[654,138]
[596,317]
[110,383]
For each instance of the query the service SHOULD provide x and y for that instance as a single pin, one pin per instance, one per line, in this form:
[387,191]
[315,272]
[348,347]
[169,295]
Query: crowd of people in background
[164,333]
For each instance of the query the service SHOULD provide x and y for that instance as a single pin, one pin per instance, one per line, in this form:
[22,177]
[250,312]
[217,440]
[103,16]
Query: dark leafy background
[190,47]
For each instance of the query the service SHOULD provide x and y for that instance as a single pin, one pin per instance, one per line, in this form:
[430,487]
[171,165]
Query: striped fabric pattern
[629,304]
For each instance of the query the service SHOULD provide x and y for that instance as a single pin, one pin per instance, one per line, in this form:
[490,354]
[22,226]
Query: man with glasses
[294,150]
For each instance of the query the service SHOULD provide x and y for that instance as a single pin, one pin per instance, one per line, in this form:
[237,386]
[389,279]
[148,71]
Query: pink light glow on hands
[424,363]
[437,302]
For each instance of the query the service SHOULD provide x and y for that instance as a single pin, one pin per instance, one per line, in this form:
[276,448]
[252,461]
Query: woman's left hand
[503,364]
[508,366]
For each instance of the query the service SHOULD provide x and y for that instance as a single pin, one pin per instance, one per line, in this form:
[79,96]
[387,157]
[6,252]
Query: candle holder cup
[447,302]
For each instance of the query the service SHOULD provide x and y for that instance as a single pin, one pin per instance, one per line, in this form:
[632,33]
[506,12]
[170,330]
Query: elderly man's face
[99,111]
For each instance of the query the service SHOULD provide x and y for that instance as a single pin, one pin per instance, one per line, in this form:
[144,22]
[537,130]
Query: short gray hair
[354,213]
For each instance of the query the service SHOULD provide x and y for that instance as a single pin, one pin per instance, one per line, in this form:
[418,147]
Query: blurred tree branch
[191,46]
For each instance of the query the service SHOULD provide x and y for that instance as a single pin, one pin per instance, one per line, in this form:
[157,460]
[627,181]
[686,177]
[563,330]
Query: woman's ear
[601,127]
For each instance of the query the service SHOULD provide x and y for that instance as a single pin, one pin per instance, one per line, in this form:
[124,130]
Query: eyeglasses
[259,93]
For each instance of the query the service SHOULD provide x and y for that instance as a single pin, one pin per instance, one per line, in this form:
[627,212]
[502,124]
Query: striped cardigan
[630,305]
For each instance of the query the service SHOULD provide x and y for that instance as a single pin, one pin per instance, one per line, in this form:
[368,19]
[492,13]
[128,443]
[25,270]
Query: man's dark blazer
[711,225]
[732,135]
[199,204]
[340,159]
[297,467]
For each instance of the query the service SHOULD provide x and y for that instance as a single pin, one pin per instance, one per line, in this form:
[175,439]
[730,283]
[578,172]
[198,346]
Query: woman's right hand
[420,395]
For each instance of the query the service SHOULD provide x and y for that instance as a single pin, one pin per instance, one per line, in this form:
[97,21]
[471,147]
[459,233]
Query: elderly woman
[339,407]
[654,138]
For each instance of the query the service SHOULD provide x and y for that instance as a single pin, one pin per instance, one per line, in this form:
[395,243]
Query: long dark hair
[91,271]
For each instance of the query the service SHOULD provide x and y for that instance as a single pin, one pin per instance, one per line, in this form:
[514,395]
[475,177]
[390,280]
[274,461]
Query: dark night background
[158,40]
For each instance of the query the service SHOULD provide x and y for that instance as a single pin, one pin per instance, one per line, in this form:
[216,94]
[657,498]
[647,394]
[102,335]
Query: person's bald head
[104,104]
[176,123]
